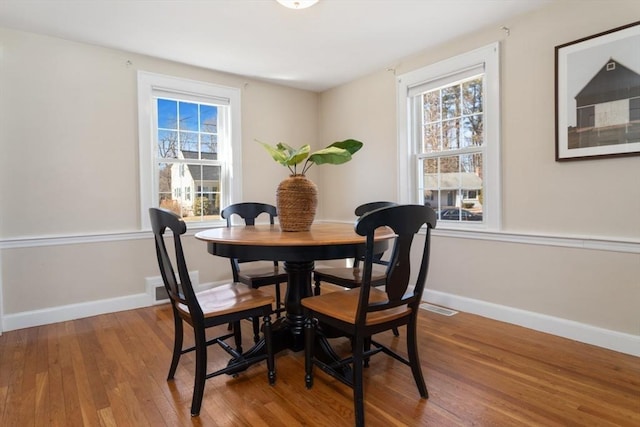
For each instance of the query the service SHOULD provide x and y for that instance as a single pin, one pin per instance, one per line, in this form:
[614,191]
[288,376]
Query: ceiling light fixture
[297,4]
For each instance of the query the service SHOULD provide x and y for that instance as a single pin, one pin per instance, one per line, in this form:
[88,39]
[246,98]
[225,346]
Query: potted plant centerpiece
[297,196]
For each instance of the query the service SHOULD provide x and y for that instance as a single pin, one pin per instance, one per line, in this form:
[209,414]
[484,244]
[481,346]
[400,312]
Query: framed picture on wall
[598,95]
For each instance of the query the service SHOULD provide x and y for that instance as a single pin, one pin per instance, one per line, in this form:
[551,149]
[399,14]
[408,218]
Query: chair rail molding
[601,243]
[74,239]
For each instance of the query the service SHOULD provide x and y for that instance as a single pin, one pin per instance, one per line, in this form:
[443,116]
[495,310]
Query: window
[449,141]
[189,139]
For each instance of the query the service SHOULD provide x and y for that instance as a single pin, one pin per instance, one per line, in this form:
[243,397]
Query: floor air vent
[156,290]
[438,309]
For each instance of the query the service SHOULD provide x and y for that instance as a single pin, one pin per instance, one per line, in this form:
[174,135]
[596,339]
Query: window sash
[150,87]
[410,153]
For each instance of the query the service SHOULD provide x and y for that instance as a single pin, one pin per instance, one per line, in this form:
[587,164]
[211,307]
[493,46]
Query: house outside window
[189,139]
[449,139]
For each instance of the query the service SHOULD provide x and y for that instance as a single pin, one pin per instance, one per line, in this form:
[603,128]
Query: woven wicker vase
[296,200]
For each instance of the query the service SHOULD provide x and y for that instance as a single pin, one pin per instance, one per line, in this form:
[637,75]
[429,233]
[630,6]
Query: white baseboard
[617,341]
[63,313]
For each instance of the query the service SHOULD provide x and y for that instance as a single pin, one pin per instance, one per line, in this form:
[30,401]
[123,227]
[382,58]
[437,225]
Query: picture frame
[597,95]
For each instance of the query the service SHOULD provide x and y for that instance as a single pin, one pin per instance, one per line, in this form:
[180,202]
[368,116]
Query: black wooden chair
[256,275]
[351,277]
[362,312]
[220,305]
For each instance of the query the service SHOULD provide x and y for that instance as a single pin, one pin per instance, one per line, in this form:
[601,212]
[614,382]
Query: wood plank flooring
[110,370]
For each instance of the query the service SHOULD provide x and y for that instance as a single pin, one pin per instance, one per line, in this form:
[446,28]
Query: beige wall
[595,199]
[68,116]
[68,129]
[364,110]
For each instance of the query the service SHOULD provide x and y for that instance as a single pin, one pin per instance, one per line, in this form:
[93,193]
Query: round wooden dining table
[298,251]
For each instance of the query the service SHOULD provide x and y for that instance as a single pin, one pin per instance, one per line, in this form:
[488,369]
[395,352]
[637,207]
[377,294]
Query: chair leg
[412,351]
[237,336]
[358,389]
[278,301]
[271,366]
[177,345]
[201,373]
[367,347]
[395,332]
[316,290]
[256,329]
[309,339]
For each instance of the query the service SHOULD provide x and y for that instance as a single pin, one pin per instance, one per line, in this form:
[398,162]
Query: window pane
[472,96]
[449,164]
[431,106]
[188,116]
[477,125]
[451,134]
[189,142]
[164,185]
[167,114]
[472,186]
[430,182]
[167,144]
[209,145]
[471,131]
[451,102]
[432,137]
[206,180]
[208,119]
[453,186]
[169,186]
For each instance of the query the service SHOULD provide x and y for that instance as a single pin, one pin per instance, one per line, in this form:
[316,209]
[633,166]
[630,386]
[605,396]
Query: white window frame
[152,85]
[487,57]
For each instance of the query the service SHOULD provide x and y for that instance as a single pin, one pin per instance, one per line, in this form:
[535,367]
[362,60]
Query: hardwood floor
[110,370]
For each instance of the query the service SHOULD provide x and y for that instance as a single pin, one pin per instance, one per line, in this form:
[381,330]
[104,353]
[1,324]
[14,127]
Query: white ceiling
[317,48]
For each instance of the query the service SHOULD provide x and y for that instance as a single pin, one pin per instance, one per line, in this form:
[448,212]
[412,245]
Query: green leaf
[337,153]
[331,155]
[278,155]
[297,156]
[351,145]
[287,149]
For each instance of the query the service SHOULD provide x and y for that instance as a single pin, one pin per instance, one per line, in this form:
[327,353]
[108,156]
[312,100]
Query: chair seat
[229,298]
[343,305]
[350,277]
[267,271]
